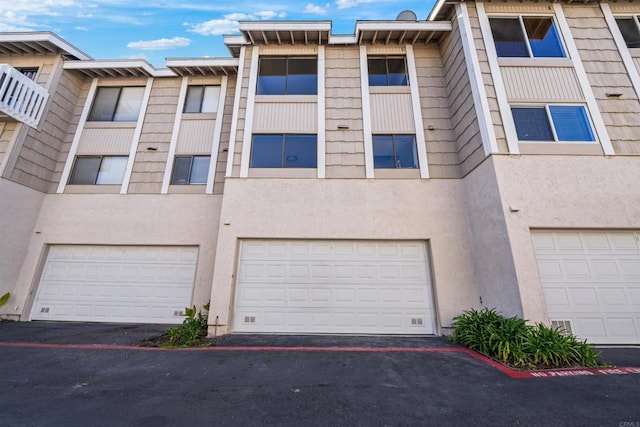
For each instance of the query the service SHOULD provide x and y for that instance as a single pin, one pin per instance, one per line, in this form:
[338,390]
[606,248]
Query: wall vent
[178,313]
[44,309]
[249,319]
[564,326]
[417,321]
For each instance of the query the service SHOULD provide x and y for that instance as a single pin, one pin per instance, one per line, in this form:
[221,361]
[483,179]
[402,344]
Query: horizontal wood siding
[391,112]
[285,117]
[223,150]
[541,84]
[607,74]
[149,165]
[36,164]
[7,130]
[343,106]
[195,136]
[442,150]
[105,141]
[242,112]
[462,114]
[489,87]
[80,85]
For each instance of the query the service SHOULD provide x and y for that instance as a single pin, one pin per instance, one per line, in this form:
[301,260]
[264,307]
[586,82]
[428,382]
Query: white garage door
[127,284]
[592,280]
[333,287]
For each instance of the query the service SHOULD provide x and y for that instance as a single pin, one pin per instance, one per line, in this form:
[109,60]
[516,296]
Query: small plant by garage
[512,341]
[193,329]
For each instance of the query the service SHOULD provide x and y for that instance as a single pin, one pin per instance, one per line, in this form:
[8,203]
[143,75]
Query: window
[89,170]
[202,99]
[387,71]
[553,123]
[526,37]
[289,75]
[629,29]
[395,152]
[29,72]
[283,151]
[190,170]
[117,104]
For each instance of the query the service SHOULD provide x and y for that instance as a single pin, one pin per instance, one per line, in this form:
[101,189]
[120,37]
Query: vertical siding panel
[294,117]
[541,84]
[391,112]
[195,137]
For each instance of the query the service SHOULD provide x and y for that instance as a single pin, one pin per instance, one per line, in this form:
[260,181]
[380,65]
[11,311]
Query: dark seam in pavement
[513,373]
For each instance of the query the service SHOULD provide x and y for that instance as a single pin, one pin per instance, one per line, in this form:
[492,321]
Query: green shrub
[193,329]
[511,341]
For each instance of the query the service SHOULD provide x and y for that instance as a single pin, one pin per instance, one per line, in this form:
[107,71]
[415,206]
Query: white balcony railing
[20,97]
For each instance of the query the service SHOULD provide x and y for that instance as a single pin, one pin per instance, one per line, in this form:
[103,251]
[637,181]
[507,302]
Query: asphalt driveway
[47,382]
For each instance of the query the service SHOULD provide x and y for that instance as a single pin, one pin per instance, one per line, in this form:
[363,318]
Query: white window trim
[498,82]
[168,169]
[248,119]
[136,136]
[552,123]
[627,59]
[217,133]
[417,113]
[236,112]
[592,104]
[321,126]
[66,172]
[366,113]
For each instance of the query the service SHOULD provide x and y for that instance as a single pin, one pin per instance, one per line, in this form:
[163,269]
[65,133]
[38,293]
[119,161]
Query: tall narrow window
[117,104]
[526,37]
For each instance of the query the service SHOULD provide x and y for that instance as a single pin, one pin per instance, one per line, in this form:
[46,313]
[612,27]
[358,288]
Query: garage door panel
[332,287]
[592,279]
[116,283]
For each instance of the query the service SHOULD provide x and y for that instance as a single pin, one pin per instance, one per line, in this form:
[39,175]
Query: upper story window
[288,75]
[284,151]
[202,99]
[89,170]
[117,104]
[190,170]
[526,36]
[30,72]
[387,71]
[395,152]
[552,123]
[629,28]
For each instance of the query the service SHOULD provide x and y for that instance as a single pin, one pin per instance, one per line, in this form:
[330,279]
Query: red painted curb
[513,373]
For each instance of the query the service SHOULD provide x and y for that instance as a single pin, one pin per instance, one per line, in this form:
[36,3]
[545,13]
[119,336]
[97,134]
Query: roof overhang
[286,32]
[38,43]
[187,67]
[400,32]
[116,68]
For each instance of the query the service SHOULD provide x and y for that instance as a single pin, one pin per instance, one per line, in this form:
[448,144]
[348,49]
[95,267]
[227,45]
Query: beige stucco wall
[562,192]
[112,219]
[429,210]
[19,207]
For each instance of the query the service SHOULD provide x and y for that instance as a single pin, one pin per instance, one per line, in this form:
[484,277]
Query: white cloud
[346,4]
[230,22]
[160,44]
[11,21]
[81,28]
[215,27]
[315,9]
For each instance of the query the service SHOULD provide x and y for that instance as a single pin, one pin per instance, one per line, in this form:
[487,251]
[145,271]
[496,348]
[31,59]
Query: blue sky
[113,29]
